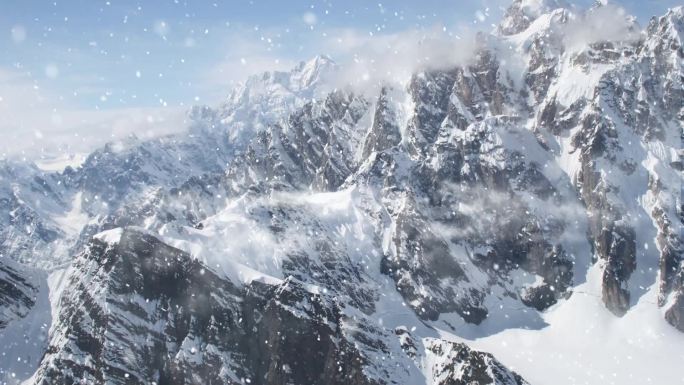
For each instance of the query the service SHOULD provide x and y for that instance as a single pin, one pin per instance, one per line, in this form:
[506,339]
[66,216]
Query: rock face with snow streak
[298,236]
[17,293]
[143,312]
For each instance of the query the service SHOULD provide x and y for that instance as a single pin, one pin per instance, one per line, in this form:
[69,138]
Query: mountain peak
[522,13]
[667,31]
[675,18]
[268,97]
[309,73]
[300,79]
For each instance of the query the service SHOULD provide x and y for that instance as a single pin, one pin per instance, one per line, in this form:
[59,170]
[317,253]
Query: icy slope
[583,344]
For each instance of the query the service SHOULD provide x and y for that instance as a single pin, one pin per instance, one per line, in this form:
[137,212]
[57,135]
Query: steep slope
[17,293]
[137,311]
[619,142]
[49,216]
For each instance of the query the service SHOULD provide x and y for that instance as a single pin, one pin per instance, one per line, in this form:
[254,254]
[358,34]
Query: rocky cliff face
[136,311]
[17,293]
[293,238]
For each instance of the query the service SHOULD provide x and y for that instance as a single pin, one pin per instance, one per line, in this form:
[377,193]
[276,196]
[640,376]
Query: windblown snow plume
[392,58]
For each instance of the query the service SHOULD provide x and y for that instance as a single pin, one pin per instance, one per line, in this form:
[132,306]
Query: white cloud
[605,23]
[248,54]
[36,123]
[367,61]
[233,69]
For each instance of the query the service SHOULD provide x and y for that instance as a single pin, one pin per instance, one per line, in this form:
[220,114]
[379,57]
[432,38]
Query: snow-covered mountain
[514,220]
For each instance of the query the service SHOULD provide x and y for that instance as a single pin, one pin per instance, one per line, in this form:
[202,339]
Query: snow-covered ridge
[268,98]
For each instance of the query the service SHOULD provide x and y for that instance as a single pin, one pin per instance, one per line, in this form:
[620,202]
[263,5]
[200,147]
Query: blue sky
[142,53]
[122,55]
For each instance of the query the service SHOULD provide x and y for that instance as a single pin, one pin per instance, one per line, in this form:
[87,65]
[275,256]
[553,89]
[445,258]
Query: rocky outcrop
[384,132]
[137,311]
[314,148]
[463,366]
[675,307]
[17,293]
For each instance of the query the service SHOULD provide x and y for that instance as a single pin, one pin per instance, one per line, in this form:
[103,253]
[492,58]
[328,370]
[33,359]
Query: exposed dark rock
[384,133]
[17,293]
[475,367]
[143,312]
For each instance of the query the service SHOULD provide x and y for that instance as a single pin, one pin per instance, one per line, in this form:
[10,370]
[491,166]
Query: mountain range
[514,220]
